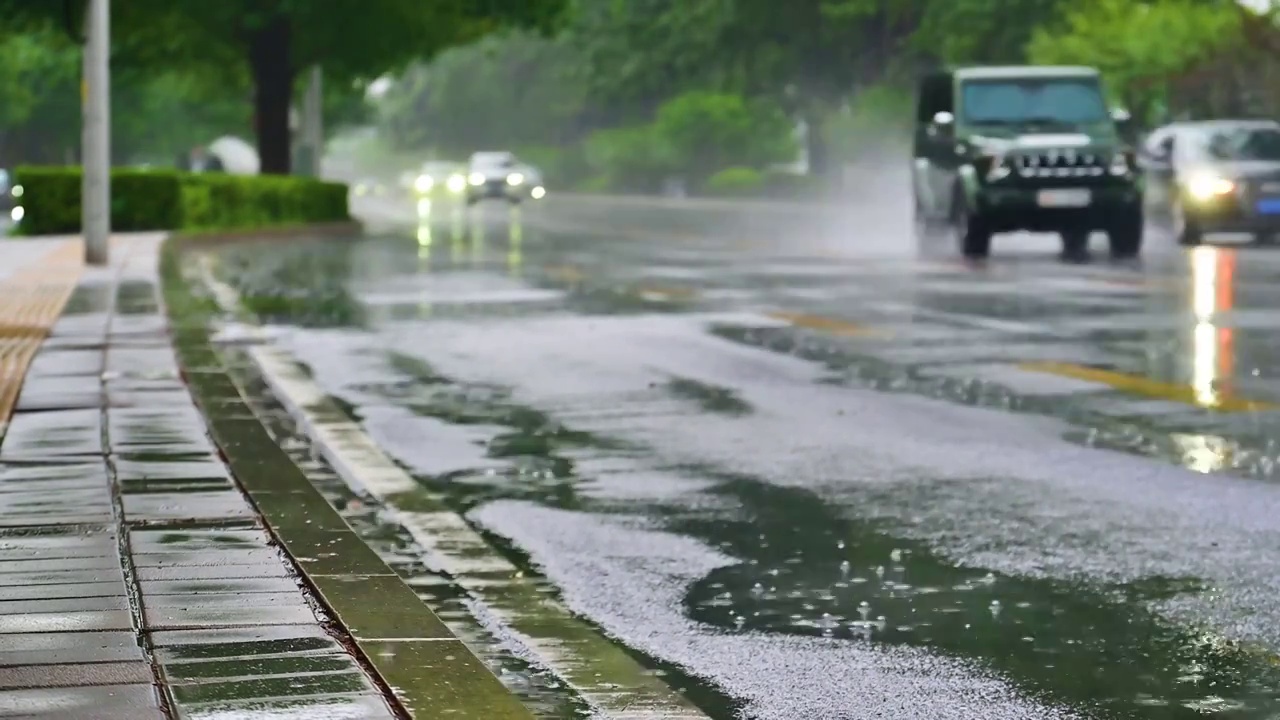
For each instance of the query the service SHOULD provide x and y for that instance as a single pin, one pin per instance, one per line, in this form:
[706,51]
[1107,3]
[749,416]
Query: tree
[274,39]
[510,89]
[1141,47]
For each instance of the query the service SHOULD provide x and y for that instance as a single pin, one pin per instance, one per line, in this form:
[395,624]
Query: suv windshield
[1057,101]
[1237,143]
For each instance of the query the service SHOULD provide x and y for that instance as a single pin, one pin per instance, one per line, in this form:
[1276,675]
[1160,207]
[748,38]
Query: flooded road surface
[806,474]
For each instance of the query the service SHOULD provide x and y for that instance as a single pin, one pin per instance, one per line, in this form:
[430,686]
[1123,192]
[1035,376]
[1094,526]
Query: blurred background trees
[602,94]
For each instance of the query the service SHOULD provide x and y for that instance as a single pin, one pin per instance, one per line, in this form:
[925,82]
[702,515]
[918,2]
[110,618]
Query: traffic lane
[659,408]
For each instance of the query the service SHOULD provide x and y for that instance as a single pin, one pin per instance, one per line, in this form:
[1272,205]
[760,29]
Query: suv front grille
[1055,163]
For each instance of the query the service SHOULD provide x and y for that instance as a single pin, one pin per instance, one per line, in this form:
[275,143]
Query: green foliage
[709,132]
[508,90]
[1139,46]
[170,200]
[629,158]
[877,118]
[736,181]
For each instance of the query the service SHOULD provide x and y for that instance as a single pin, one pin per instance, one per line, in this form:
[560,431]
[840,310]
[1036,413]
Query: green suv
[1001,149]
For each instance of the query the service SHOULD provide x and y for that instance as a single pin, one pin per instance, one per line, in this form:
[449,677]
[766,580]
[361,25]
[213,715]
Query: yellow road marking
[564,273]
[828,325]
[1223,401]
[30,303]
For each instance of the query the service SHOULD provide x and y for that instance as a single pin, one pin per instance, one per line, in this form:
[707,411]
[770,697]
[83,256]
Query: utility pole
[96,153]
[312,145]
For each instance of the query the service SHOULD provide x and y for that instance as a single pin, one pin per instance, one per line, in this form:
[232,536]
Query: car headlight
[17,213]
[423,183]
[17,191]
[476,179]
[515,179]
[1206,186]
[456,183]
[538,193]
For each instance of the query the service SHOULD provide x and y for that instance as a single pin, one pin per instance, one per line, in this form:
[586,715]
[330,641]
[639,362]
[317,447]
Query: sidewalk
[136,580]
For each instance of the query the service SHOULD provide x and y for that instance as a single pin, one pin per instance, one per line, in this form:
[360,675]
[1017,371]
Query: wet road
[810,475]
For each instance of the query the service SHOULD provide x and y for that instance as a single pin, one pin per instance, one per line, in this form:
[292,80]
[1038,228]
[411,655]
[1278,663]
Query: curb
[428,670]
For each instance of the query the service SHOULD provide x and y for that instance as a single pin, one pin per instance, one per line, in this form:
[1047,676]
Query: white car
[500,176]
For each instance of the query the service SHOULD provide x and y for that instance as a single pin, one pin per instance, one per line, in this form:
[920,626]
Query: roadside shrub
[630,158]
[736,182]
[711,131]
[171,200]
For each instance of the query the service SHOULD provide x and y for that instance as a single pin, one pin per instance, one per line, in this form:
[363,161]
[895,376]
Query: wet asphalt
[809,473]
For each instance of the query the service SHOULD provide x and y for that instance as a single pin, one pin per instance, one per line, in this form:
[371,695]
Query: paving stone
[172,470]
[108,702]
[58,363]
[229,600]
[88,471]
[55,605]
[248,556]
[270,687]
[65,622]
[227,505]
[173,618]
[30,520]
[69,648]
[38,565]
[239,586]
[367,706]
[64,577]
[145,542]
[52,547]
[214,572]
[62,591]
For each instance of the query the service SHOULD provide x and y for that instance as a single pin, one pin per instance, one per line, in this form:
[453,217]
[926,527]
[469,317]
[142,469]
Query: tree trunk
[816,147]
[271,62]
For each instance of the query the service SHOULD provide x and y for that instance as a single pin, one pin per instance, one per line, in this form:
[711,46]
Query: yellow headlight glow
[1206,186]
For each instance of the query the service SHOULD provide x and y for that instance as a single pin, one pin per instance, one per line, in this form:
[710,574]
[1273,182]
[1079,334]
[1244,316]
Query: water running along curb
[430,673]
[603,674]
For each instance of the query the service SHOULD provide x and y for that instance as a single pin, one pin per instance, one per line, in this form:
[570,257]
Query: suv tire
[1124,235]
[971,231]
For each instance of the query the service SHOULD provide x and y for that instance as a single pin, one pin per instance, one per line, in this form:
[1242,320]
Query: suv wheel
[970,230]
[1125,233]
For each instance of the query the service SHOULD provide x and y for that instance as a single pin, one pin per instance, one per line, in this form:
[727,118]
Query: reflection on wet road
[811,475]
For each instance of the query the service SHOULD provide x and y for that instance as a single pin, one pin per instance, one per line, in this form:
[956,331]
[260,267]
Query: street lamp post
[95,207]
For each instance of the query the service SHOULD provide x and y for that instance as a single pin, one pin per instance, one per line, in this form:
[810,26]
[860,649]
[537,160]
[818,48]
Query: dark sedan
[1218,176]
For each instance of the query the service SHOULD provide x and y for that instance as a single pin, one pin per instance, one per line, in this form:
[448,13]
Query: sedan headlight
[1206,186]
[17,213]
[456,183]
[17,191]
[515,179]
[476,179]
[424,183]
[538,193]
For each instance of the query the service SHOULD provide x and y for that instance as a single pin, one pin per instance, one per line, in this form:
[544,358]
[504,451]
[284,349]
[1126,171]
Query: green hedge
[171,200]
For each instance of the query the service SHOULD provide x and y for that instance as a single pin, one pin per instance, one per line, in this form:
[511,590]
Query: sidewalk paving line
[602,673]
[428,669]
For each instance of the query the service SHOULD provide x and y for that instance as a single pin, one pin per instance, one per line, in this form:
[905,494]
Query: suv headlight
[476,179]
[17,191]
[515,179]
[457,183]
[424,183]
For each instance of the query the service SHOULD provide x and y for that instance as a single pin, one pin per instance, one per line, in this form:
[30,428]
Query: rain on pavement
[809,475]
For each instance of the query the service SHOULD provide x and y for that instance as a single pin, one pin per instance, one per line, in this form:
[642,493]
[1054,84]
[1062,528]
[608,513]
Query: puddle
[808,572]
[710,398]
[303,283]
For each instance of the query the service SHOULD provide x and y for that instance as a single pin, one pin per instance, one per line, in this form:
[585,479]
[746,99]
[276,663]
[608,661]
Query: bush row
[172,200]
